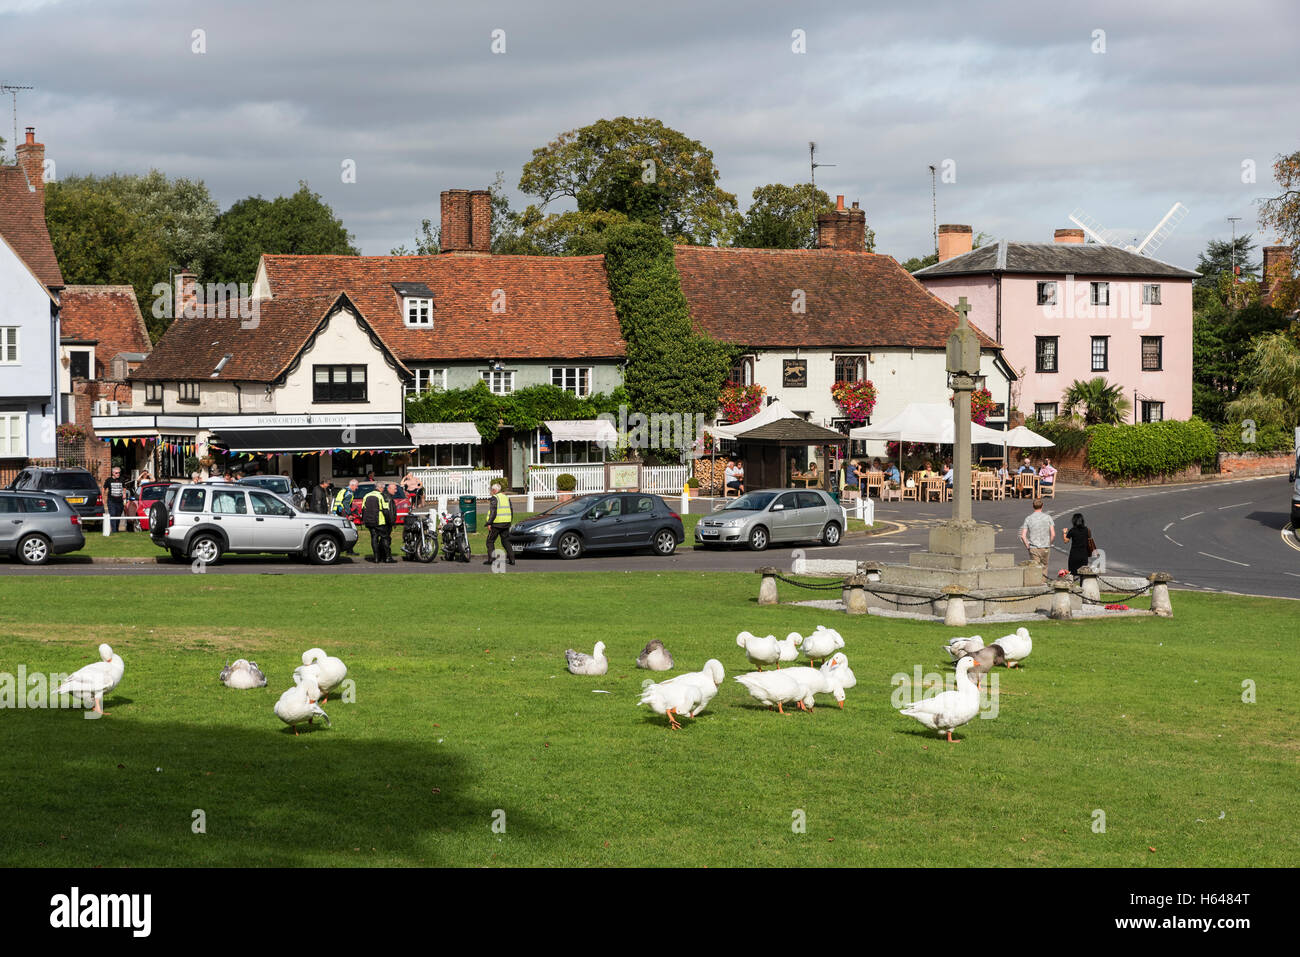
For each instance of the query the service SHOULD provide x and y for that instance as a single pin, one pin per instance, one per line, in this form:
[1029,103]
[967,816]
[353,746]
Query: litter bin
[469,512]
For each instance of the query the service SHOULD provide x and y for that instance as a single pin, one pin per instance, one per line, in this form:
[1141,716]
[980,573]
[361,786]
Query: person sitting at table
[1026,469]
[891,473]
[947,474]
[925,472]
[735,475]
[811,474]
[875,465]
[1047,474]
[1002,472]
[856,474]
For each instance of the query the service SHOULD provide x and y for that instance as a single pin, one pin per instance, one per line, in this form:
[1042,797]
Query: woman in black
[1077,535]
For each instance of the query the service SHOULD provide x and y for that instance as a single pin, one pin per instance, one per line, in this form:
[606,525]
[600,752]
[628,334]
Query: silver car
[760,518]
[34,526]
[204,521]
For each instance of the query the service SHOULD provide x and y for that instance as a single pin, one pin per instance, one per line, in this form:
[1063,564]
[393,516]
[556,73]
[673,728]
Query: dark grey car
[77,486]
[601,521]
[760,518]
[34,526]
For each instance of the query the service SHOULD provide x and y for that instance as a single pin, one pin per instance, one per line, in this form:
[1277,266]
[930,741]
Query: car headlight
[546,528]
[733,523]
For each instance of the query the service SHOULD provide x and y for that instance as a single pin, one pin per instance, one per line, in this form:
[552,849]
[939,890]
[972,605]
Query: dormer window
[417,304]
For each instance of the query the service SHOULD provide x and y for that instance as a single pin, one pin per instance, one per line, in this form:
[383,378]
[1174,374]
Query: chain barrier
[838,583]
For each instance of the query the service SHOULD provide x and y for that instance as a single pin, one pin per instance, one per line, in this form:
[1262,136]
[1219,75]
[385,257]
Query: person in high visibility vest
[498,522]
[343,507]
[374,515]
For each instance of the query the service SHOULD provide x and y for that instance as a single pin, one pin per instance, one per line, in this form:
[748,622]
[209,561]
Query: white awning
[771,412]
[444,433]
[582,430]
[923,422]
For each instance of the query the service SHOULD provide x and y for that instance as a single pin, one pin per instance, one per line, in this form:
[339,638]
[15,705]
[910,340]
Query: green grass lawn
[463,709]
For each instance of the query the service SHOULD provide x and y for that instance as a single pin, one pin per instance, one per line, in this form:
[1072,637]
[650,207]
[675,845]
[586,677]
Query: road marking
[1289,538]
[1167,527]
[1208,555]
[1238,505]
[1179,544]
[1193,515]
[1292,574]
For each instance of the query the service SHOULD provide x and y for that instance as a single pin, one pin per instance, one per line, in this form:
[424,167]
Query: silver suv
[205,521]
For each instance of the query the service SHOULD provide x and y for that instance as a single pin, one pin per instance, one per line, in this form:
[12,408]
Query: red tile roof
[108,314]
[260,350]
[852,300]
[22,224]
[555,307]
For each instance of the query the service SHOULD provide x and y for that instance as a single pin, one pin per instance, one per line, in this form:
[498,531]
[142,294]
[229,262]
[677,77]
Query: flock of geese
[318,675]
[689,694]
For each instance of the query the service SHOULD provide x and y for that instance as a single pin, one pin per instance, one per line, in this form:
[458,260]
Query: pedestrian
[115,496]
[390,522]
[1038,533]
[343,508]
[370,477]
[1081,543]
[414,488]
[229,476]
[194,478]
[498,522]
[320,498]
[374,515]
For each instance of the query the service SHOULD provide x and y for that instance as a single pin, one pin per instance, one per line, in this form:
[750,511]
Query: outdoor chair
[1026,484]
[1047,489]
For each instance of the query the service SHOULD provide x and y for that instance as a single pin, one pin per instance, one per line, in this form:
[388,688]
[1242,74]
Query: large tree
[301,223]
[1273,372]
[785,217]
[1219,257]
[634,167]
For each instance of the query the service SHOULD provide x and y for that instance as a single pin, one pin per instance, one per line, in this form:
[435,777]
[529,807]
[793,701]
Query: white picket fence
[445,482]
[664,479]
[660,479]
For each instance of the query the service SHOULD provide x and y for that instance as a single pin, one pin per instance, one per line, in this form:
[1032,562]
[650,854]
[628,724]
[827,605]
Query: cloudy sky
[1016,100]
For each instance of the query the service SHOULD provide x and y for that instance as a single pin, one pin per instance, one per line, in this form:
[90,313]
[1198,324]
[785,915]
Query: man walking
[390,521]
[320,498]
[498,521]
[374,516]
[343,507]
[1038,532]
[115,496]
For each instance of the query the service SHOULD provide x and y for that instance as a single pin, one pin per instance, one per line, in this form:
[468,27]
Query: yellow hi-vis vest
[382,517]
[503,509]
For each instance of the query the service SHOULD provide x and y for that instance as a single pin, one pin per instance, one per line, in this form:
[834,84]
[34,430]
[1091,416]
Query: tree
[1102,404]
[1223,338]
[1273,371]
[639,168]
[1218,259]
[1283,212]
[782,217]
[301,223]
[920,262]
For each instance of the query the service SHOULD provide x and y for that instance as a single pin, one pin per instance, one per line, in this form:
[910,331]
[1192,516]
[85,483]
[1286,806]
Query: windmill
[1114,237]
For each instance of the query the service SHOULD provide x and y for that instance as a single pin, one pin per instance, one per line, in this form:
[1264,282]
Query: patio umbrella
[927,422]
[1023,438]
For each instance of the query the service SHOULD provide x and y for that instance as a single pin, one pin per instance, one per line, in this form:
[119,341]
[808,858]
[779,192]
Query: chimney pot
[1068,236]
[855,204]
[839,201]
[842,229]
[31,157]
[31,135]
[954,240]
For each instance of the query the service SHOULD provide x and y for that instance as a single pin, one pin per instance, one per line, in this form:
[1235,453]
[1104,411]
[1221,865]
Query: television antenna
[813,164]
[1114,237]
[934,212]
[12,89]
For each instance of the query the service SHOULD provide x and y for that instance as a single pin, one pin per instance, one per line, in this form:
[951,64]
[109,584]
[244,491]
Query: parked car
[77,486]
[34,526]
[401,500]
[281,485]
[1295,494]
[207,520]
[149,493]
[604,520]
[762,517]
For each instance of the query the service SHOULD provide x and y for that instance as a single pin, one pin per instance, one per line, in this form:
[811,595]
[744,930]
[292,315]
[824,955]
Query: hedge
[1150,448]
[1067,436]
[1236,437]
[523,410]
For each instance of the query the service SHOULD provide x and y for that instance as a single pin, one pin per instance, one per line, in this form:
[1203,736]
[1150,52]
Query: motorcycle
[455,539]
[419,538]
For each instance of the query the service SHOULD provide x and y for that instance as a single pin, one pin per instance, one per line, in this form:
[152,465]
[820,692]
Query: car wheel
[831,534]
[665,542]
[569,545]
[758,539]
[34,550]
[323,550]
[206,550]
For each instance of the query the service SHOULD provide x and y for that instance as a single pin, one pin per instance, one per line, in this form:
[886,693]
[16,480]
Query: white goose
[790,647]
[1016,647]
[815,681]
[840,664]
[298,704]
[242,675]
[777,688]
[686,694]
[765,650]
[949,709]
[821,644]
[655,657]
[94,681]
[957,647]
[328,671]
[580,663]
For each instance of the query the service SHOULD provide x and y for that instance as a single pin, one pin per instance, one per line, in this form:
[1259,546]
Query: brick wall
[1240,464]
[466,221]
[98,454]
[1073,469]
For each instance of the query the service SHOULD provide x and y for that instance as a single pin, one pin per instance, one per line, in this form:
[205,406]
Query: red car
[400,499]
[149,493]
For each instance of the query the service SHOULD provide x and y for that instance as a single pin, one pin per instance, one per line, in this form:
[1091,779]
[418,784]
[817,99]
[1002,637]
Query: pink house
[1071,310]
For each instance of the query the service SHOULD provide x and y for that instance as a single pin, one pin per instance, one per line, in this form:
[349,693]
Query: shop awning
[444,433]
[287,441]
[582,430]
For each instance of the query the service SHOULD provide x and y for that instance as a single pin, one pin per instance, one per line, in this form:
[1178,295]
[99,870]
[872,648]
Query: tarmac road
[1230,536]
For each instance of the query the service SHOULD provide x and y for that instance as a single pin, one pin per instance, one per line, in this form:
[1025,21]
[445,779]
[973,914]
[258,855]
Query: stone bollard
[956,612]
[1060,601]
[1088,580]
[871,570]
[1160,594]
[767,590]
[856,602]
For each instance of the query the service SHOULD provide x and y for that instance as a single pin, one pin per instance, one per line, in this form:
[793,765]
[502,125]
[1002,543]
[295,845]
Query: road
[1229,536]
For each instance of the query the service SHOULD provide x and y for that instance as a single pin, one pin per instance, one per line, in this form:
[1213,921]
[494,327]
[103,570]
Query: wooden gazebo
[760,449]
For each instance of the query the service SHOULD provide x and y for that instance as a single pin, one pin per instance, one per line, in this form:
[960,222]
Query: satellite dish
[1111,237]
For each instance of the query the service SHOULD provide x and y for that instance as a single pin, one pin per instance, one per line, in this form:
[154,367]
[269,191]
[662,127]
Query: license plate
[77,501]
[708,534]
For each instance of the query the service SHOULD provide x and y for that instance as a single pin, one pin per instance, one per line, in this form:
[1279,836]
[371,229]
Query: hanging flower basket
[855,399]
[981,405]
[739,402]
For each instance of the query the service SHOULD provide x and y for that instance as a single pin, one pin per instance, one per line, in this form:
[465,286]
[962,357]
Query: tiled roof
[851,299]
[1080,259]
[554,307]
[110,315]
[22,223]
[260,351]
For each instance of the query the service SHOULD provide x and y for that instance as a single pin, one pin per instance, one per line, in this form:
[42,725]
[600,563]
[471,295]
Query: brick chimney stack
[466,222]
[1068,236]
[842,229]
[31,157]
[954,241]
[186,301]
[1277,269]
